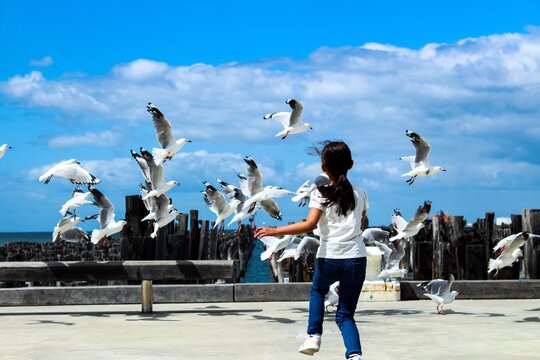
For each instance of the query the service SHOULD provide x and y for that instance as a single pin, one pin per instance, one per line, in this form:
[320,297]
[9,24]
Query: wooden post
[488,239]
[203,240]
[459,242]
[179,238]
[436,234]
[193,236]
[213,244]
[531,224]
[146,296]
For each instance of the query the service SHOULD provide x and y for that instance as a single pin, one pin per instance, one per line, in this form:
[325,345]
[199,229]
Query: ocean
[36,237]
[257,271]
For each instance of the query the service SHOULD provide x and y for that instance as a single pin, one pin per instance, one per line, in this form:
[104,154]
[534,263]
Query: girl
[338,210]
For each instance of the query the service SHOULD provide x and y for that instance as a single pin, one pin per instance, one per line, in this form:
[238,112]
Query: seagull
[290,250]
[371,235]
[232,193]
[108,226]
[75,235]
[152,203]
[332,297]
[3,150]
[392,255]
[153,173]
[303,193]
[420,162]
[71,170]
[290,121]
[438,290]
[308,245]
[409,229]
[163,212]
[274,244]
[164,134]
[508,251]
[78,198]
[218,204]
[241,212]
[64,225]
[254,187]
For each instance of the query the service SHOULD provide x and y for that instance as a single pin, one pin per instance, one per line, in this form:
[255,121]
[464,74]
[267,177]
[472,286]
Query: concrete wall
[131,294]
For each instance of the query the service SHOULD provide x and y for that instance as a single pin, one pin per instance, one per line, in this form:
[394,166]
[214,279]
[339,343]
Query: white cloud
[43,62]
[103,139]
[475,101]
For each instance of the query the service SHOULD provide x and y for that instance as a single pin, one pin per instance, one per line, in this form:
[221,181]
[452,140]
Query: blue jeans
[351,274]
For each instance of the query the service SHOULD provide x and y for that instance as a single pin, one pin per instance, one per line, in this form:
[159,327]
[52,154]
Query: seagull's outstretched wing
[297,109]
[421,214]
[254,178]
[162,125]
[283,117]
[422,148]
[106,212]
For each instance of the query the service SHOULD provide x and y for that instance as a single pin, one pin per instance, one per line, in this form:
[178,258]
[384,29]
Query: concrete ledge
[372,291]
[193,293]
[272,292]
[118,294]
[480,289]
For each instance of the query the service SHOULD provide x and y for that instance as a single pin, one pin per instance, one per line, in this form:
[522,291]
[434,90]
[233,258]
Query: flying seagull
[3,150]
[508,251]
[218,204]
[108,226]
[420,162]
[164,134]
[409,229]
[64,225]
[153,173]
[71,170]
[163,212]
[291,122]
[255,190]
[78,198]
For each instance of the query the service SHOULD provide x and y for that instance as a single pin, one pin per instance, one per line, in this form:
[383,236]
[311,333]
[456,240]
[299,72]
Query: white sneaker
[311,345]
[355,357]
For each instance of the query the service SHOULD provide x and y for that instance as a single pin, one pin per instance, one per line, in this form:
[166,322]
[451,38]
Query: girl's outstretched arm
[300,227]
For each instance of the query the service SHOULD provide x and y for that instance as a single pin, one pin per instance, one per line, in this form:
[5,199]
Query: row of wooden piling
[446,245]
[187,238]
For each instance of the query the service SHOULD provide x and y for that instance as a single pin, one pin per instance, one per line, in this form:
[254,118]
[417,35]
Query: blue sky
[75,78]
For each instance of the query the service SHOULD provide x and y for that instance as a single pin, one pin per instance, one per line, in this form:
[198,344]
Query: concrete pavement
[473,329]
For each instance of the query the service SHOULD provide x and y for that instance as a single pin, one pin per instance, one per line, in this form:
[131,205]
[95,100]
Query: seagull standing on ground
[165,136]
[71,170]
[420,162]
[108,226]
[508,251]
[3,150]
[291,122]
[409,229]
[438,290]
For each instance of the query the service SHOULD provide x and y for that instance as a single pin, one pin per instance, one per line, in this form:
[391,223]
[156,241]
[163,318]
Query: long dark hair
[336,158]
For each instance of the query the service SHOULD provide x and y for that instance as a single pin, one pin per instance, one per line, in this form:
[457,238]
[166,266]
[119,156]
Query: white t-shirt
[340,234]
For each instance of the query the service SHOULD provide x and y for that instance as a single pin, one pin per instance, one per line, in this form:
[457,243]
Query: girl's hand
[264,231]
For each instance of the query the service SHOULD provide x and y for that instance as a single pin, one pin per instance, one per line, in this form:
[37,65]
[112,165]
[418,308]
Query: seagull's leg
[411,180]
[496,275]
[286,134]
[239,226]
